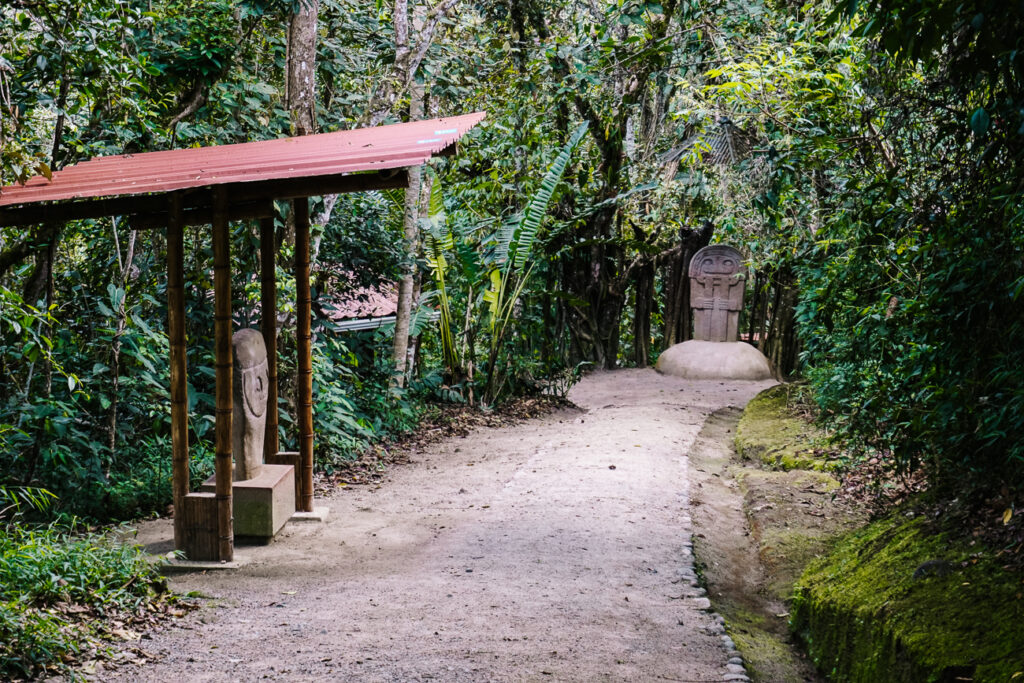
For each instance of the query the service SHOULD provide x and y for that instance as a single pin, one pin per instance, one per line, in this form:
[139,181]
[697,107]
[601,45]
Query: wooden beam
[223,353]
[268,325]
[30,214]
[300,188]
[303,334]
[201,198]
[179,377]
[204,216]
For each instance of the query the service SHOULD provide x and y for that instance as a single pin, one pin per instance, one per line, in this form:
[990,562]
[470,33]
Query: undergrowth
[62,592]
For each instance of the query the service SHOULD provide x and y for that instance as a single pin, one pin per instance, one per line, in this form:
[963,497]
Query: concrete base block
[319,514]
[263,504]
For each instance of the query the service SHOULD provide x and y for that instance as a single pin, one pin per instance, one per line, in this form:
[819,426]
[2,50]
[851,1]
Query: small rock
[933,568]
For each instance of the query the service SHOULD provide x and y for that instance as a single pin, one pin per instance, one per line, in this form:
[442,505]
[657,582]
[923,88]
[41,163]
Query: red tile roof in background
[364,303]
[325,154]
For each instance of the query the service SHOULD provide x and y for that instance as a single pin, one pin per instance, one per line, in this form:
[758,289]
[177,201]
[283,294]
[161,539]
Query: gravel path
[558,549]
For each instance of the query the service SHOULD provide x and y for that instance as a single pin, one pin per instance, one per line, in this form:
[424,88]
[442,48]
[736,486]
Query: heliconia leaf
[506,239]
[435,205]
[529,225]
[492,296]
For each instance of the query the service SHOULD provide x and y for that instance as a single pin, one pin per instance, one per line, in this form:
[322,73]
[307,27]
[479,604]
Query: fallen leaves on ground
[444,421]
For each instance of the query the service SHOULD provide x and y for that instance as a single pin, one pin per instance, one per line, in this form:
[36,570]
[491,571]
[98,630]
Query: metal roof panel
[324,154]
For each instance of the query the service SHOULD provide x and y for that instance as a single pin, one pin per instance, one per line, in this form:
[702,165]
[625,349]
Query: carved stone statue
[250,403]
[717,280]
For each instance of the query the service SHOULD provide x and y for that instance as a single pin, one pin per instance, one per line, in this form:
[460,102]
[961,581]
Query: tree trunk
[678,321]
[42,278]
[406,285]
[300,87]
[643,291]
[300,82]
[781,345]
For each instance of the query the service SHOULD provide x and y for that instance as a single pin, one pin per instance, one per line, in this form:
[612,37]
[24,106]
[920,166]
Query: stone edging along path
[556,549]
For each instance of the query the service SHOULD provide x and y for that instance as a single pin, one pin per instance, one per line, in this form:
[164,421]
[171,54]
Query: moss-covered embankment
[895,600]
[898,601]
[782,471]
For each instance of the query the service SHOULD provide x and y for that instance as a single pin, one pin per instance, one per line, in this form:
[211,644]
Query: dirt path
[558,549]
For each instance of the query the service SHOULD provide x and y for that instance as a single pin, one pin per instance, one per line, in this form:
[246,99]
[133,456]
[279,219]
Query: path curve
[554,550]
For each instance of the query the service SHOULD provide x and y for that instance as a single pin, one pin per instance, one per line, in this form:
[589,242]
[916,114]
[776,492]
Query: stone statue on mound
[717,281]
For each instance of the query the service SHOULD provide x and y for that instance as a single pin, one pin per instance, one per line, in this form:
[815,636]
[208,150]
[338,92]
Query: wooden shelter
[216,185]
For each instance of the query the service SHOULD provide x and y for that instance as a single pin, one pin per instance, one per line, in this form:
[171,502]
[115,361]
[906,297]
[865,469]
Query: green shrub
[54,587]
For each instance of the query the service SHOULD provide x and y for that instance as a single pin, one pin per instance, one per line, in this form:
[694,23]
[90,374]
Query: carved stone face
[254,389]
[718,263]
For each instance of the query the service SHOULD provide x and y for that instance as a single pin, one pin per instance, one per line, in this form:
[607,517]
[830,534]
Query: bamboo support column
[268,325]
[179,377]
[222,347]
[304,384]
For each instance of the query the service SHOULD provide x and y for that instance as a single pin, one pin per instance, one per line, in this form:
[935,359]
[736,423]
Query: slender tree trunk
[762,329]
[406,285]
[469,349]
[300,87]
[42,278]
[781,344]
[300,81]
[678,327]
[643,292]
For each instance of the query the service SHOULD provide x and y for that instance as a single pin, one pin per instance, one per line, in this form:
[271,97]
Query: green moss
[765,653]
[864,616]
[771,433]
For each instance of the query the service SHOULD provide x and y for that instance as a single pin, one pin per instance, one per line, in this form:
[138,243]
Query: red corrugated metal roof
[326,154]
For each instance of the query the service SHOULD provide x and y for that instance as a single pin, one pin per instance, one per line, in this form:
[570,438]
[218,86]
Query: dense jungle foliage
[865,156]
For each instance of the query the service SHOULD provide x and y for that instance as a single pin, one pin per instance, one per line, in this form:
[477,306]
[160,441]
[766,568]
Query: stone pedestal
[262,504]
[697,359]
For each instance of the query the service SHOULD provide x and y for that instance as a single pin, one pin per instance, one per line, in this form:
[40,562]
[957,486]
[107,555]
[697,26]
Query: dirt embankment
[903,598]
[786,516]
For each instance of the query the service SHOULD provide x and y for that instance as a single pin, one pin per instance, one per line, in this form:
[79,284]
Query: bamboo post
[268,325]
[304,385]
[222,348]
[179,377]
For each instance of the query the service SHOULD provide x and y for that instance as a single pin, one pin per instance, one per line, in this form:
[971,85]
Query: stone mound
[696,359]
